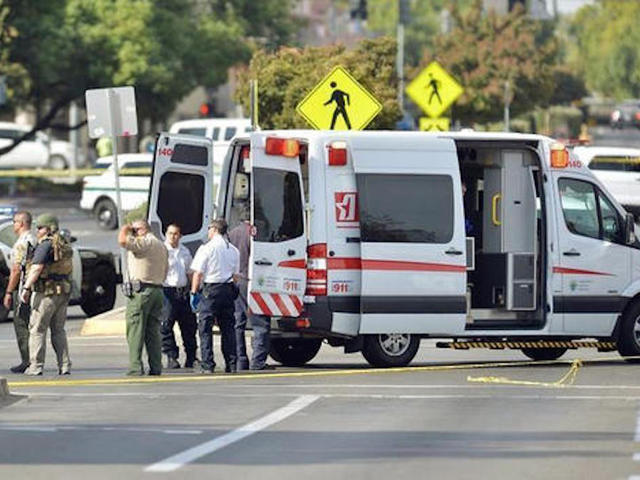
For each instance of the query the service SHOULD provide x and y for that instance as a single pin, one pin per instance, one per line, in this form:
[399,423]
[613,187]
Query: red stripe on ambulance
[274,304]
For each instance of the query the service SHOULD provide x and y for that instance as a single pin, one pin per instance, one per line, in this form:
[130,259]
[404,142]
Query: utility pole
[403,17]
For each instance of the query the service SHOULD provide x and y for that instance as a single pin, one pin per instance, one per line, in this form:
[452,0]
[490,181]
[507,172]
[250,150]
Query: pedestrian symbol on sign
[434,85]
[338,96]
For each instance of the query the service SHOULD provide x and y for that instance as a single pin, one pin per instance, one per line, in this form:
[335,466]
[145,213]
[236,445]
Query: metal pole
[113,119]
[74,135]
[400,65]
[507,102]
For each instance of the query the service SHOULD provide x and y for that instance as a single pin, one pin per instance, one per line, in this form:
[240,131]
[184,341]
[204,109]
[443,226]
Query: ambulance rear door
[182,189]
[277,264]
[412,235]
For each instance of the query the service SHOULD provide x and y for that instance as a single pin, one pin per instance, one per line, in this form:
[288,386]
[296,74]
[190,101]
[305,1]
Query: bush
[138,213]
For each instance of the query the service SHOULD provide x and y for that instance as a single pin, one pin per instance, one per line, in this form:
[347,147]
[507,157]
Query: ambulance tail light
[303,323]
[317,269]
[559,156]
[286,147]
[338,154]
[244,152]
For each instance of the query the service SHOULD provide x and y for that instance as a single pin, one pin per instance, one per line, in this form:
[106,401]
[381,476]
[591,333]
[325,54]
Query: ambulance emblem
[347,209]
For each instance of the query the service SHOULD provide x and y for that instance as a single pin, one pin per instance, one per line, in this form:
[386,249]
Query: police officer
[21,261]
[147,260]
[215,267]
[176,301]
[240,236]
[50,280]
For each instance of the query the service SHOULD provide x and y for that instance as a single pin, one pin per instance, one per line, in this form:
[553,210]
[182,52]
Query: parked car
[36,151]
[619,170]
[626,114]
[94,281]
[99,192]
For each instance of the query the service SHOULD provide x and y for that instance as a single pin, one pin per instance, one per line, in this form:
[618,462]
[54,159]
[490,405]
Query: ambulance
[374,240]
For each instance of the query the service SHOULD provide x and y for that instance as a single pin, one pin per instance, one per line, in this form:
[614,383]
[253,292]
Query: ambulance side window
[406,208]
[277,205]
[181,201]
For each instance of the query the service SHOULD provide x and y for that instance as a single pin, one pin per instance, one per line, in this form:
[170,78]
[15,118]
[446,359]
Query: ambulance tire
[544,353]
[629,338]
[106,214]
[390,350]
[294,352]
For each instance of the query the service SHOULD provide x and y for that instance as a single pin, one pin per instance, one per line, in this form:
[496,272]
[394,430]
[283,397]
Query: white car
[94,278]
[217,129]
[38,151]
[619,170]
[99,192]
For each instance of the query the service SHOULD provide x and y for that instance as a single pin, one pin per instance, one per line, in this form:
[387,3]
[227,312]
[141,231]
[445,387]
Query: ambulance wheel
[100,294]
[294,352]
[390,350]
[629,338]
[544,353]
[106,214]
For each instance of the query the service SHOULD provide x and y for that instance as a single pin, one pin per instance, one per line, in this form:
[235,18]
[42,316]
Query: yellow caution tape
[81,172]
[566,380]
[538,344]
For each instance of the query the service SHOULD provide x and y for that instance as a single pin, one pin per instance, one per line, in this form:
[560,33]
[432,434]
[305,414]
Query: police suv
[373,240]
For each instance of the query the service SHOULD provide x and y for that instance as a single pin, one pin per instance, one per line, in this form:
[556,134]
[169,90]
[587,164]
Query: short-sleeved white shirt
[179,263]
[217,260]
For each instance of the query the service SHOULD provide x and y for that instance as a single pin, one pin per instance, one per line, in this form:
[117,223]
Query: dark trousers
[217,304]
[176,308]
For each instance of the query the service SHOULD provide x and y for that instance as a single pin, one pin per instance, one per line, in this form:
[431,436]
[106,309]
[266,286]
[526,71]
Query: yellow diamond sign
[339,102]
[434,90]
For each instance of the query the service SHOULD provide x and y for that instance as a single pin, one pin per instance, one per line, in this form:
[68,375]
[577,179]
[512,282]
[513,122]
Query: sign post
[339,102]
[112,112]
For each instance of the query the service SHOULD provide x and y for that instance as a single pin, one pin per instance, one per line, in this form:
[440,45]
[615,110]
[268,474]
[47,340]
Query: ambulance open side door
[182,189]
[277,263]
[413,252]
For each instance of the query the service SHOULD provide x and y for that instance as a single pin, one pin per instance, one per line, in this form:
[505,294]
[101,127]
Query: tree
[484,51]
[285,77]
[69,46]
[608,47]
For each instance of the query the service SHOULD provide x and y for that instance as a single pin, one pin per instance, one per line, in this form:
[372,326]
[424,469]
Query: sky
[568,6]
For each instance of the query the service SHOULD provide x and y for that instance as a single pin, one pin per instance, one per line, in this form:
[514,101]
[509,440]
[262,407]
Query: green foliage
[285,77]
[165,48]
[138,213]
[484,51]
[607,47]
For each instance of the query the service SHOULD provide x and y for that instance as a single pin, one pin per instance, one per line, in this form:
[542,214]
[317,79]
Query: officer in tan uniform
[147,259]
[49,279]
[21,261]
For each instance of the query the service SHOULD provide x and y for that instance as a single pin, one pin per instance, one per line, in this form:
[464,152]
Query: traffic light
[206,109]
[359,11]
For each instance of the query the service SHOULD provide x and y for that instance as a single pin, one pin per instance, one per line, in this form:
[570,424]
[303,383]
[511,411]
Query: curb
[4,388]
[108,323]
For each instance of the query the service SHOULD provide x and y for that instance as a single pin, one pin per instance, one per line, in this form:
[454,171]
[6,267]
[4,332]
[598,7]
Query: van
[374,240]
[217,129]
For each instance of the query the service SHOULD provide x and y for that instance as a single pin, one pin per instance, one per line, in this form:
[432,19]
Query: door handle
[263,262]
[453,251]
[571,253]
[494,209]
[291,252]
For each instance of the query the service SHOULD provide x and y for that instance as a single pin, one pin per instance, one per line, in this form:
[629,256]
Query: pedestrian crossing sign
[434,90]
[339,102]
[428,124]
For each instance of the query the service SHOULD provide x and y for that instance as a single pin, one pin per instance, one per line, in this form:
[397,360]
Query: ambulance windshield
[277,205]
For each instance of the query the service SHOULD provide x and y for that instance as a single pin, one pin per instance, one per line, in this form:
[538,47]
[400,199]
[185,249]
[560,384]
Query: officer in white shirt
[215,268]
[176,301]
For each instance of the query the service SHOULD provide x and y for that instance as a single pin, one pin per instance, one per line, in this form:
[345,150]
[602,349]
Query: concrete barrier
[109,323]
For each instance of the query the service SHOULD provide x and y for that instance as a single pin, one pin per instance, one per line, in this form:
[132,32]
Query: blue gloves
[194,301]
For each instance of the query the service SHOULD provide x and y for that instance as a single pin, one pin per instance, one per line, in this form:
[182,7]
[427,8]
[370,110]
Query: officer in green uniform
[148,261]
[49,279]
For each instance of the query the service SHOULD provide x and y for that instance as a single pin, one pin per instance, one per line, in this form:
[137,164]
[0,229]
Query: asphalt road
[336,418]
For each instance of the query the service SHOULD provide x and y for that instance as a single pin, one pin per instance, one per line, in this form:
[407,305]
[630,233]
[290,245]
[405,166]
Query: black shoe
[230,369]
[154,373]
[172,362]
[266,366]
[19,368]
[191,363]
[206,371]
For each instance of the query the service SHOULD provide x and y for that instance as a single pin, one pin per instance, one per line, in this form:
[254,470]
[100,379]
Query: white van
[374,240]
[217,129]
[99,191]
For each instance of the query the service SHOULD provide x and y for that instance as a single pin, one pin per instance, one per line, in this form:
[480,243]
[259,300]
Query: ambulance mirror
[241,187]
[629,229]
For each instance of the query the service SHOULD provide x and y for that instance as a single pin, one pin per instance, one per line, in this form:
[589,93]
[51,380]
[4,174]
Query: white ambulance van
[373,240]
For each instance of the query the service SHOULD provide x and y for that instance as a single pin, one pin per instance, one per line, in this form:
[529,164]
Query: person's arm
[123,235]
[14,278]
[196,280]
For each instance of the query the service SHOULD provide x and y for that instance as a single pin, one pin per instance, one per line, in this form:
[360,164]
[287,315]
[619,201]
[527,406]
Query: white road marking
[179,460]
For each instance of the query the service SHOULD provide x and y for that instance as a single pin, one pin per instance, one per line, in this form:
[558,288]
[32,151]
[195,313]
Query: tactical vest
[54,279]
